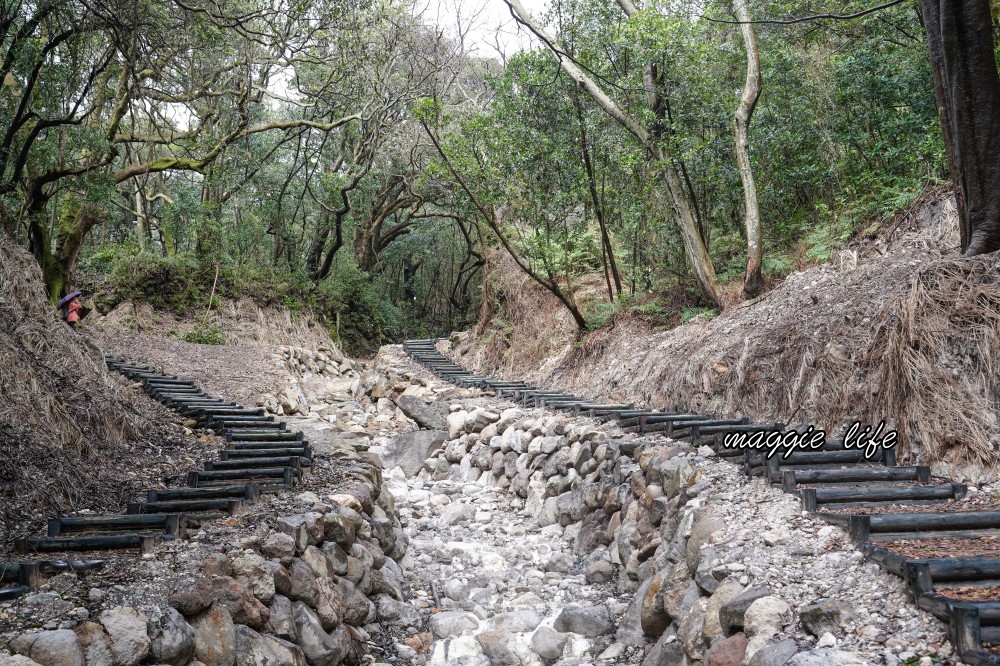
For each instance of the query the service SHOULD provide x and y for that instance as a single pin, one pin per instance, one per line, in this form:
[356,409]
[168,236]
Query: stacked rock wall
[306,590]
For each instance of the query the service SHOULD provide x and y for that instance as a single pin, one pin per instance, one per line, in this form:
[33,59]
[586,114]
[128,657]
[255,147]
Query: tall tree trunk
[694,245]
[752,279]
[967,86]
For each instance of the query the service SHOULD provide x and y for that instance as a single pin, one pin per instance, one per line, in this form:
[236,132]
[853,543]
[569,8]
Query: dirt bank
[898,328]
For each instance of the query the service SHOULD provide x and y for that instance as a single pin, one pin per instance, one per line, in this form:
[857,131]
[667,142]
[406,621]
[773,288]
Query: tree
[752,279]
[686,216]
[967,86]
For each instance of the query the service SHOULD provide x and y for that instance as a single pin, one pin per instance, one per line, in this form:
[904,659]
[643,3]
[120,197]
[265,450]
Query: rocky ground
[488,535]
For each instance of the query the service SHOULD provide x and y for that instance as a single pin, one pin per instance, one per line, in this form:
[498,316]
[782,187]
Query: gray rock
[456,513]
[215,637]
[775,653]
[318,562]
[826,615]
[251,570]
[548,643]
[340,529]
[396,612]
[495,645]
[727,591]
[599,571]
[765,617]
[281,623]
[336,555]
[515,621]
[51,648]
[666,652]
[589,621]
[706,523]
[429,414]
[731,615]
[452,623]
[357,607]
[95,643]
[253,649]
[302,582]
[242,606]
[319,647]
[126,629]
[279,546]
[689,631]
[329,603]
[456,590]
[296,528]
[409,450]
[827,657]
[172,639]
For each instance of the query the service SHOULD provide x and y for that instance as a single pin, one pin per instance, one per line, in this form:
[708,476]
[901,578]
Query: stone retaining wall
[308,590]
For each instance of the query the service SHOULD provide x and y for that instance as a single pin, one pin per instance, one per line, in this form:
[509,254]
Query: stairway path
[889,510]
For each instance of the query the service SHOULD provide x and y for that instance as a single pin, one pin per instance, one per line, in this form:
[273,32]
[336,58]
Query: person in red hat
[71,307]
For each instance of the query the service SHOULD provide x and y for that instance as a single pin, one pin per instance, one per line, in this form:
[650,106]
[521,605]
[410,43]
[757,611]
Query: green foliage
[365,319]
[690,313]
[204,333]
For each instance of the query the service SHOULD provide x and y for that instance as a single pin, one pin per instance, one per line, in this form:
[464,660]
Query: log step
[812,498]
[169,524]
[257,436]
[141,541]
[792,478]
[12,593]
[291,462]
[303,452]
[249,492]
[228,506]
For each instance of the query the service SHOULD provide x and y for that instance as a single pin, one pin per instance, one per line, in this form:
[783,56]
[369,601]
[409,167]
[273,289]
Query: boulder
[329,603]
[496,647]
[517,621]
[731,614]
[302,582]
[319,647]
[428,414]
[764,618]
[50,648]
[215,637]
[775,653]
[690,630]
[251,570]
[96,644]
[192,598]
[296,528]
[825,616]
[126,629]
[397,612]
[727,591]
[172,639]
[667,651]
[243,607]
[589,621]
[253,649]
[548,643]
[728,651]
[705,525]
[281,623]
[409,450]
[340,530]
[279,546]
[452,623]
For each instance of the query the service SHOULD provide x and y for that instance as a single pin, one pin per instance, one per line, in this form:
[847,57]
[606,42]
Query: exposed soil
[977,502]
[933,548]
[241,374]
[991,593]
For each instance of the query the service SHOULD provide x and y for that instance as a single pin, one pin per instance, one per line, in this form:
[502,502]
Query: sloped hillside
[69,434]
[899,328]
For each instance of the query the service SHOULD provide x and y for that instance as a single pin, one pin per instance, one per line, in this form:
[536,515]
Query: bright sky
[488,25]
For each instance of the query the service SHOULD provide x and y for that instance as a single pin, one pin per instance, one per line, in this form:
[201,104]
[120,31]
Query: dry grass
[65,426]
[899,329]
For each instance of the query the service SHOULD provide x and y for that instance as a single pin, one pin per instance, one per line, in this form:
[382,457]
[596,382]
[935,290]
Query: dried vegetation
[69,433]
[899,328]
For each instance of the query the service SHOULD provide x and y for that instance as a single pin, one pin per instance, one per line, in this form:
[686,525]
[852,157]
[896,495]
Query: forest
[375,164]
